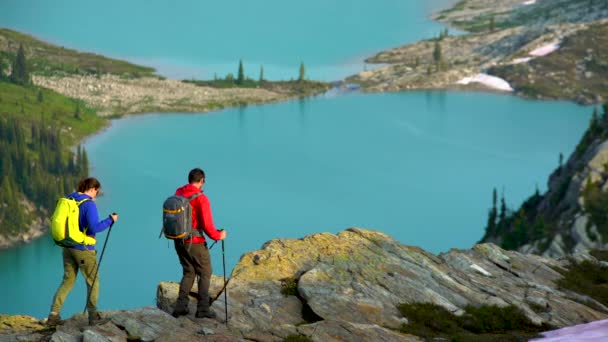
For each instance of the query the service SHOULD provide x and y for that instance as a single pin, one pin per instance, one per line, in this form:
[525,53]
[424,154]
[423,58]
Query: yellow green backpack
[64,224]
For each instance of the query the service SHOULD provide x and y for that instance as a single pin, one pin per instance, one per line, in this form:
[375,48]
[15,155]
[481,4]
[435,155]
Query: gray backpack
[177,218]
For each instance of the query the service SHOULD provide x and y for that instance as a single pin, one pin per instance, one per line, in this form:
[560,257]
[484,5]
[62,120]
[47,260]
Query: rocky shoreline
[36,230]
[115,95]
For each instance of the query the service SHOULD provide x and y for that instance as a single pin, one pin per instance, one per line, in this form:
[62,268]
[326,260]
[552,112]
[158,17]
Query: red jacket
[201,214]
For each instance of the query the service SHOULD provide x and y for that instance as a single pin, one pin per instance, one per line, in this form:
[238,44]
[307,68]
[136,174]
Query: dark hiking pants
[195,261]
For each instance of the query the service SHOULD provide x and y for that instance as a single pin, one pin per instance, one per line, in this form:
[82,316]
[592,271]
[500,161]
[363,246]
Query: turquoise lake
[419,166]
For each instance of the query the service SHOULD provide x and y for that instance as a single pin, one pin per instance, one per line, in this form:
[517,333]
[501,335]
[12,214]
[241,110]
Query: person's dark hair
[88,183]
[196,175]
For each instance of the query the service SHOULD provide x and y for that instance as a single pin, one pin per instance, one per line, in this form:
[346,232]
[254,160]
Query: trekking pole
[98,265]
[225,288]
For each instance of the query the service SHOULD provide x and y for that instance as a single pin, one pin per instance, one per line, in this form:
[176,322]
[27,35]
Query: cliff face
[346,287]
[572,216]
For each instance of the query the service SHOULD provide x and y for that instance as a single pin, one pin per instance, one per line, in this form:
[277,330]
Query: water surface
[419,166]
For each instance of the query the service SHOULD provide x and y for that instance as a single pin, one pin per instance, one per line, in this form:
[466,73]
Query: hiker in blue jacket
[83,257]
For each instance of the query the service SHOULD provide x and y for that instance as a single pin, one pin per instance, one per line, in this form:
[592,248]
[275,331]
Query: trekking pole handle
[112,216]
[214,242]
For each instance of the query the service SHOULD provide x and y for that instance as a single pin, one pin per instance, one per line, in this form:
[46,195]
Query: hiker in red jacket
[193,253]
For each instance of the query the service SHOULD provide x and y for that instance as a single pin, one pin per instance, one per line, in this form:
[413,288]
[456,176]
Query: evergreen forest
[40,159]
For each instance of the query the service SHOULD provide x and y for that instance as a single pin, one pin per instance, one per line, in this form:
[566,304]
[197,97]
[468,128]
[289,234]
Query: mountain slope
[573,214]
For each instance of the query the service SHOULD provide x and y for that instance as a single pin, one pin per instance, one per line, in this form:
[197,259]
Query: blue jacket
[89,218]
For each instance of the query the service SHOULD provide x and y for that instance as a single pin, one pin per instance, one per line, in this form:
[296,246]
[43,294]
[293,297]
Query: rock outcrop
[343,287]
[358,277]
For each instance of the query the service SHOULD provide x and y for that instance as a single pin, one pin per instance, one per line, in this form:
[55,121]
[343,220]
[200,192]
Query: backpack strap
[195,232]
[80,202]
[194,196]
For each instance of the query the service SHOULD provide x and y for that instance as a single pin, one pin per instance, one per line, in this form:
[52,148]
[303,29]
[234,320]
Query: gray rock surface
[360,276]
[343,287]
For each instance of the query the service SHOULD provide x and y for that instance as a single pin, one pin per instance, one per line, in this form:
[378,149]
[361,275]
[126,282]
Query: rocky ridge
[573,210]
[346,287]
[519,30]
[577,232]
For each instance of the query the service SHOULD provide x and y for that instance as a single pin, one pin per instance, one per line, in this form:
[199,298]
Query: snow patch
[529,2]
[490,81]
[545,49]
[521,60]
[594,331]
[538,52]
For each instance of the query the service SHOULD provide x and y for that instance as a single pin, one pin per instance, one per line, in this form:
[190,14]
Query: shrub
[484,323]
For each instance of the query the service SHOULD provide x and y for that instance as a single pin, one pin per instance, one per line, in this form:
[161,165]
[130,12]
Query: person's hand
[114,217]
[222,234]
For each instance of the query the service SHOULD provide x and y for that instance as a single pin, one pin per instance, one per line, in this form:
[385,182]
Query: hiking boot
[206,314]
[180,312]
[53,320]
[96,319]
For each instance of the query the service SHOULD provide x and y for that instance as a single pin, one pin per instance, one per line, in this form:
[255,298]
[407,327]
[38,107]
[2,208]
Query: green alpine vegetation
[578,70]
[35,166]
[485,323]
[47,59]
[38,130]
[589,278]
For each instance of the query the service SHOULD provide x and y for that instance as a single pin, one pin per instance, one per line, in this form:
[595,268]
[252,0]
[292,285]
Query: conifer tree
[437,53]
[85,164]
[503,212]
[71,167]
[78,168]
[77,112]
[6,195]
[302,73]
[491,227]
[19,74]
[40,96]
[492,24]
[261,73]
[605,113]
[241,75]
